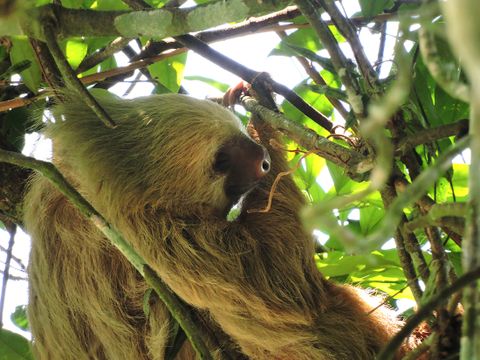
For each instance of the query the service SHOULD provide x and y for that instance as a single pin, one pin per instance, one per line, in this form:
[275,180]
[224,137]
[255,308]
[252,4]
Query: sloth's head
[170,152]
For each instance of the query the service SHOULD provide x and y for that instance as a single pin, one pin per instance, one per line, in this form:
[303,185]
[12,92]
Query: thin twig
[102,54]
[49,68]
[17,260]
[11,229]
[381,48]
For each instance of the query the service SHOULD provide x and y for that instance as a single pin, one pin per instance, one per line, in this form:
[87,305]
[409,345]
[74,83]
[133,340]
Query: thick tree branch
[155,23]
[351,161]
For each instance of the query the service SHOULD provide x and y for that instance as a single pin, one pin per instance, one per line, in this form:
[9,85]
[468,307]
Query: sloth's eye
[222,162]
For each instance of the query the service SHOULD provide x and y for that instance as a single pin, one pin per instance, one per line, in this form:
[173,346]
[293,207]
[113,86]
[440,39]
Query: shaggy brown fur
[151,177]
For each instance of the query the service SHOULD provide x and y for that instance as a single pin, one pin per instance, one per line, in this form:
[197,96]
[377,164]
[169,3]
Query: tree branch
[71,79]
[349,160]
[252,76]
[346,28]
[430,135]
[155,23]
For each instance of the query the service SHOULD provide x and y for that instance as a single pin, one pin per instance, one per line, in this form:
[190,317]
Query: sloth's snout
[264,165]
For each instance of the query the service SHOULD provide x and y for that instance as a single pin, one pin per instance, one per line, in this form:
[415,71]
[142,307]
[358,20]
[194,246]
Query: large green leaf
[223,87]
[343,184]
[14,346]
[370,218]
[302,38]
[337,263]
[169,72]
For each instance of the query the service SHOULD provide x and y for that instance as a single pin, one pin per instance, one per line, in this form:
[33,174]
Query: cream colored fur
[151,177]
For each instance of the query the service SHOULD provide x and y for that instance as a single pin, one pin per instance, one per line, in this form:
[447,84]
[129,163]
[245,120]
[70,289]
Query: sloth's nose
[264,165]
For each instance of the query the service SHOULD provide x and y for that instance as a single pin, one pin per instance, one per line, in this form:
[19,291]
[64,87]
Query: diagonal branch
[71,79]
[252,76]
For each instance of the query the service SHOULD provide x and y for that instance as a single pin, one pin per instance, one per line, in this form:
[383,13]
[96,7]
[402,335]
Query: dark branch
[252,76]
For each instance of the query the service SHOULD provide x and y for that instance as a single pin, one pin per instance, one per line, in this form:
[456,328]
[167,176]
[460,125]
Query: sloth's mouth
[235,191]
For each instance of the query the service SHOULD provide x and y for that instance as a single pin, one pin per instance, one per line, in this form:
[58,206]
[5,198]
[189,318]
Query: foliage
[423,124]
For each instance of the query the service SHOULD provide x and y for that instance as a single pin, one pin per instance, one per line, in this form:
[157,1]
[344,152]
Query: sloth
[166,178]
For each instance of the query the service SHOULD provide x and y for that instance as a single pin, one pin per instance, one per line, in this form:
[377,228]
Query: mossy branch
[173,303]
[154,23]
[351,161]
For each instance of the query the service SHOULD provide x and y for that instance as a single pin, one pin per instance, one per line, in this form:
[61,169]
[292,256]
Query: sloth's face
[243,163]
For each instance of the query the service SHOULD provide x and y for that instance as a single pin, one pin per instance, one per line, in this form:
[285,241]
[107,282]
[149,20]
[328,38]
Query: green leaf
[169,72]
[146,301]
[21,51]
[75,52]
[302,38]
[337,263]
[371,8]
[318,101]
[19,317]
[14,346]
[214,83]
[370,218]
[305,39]
[343,184]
